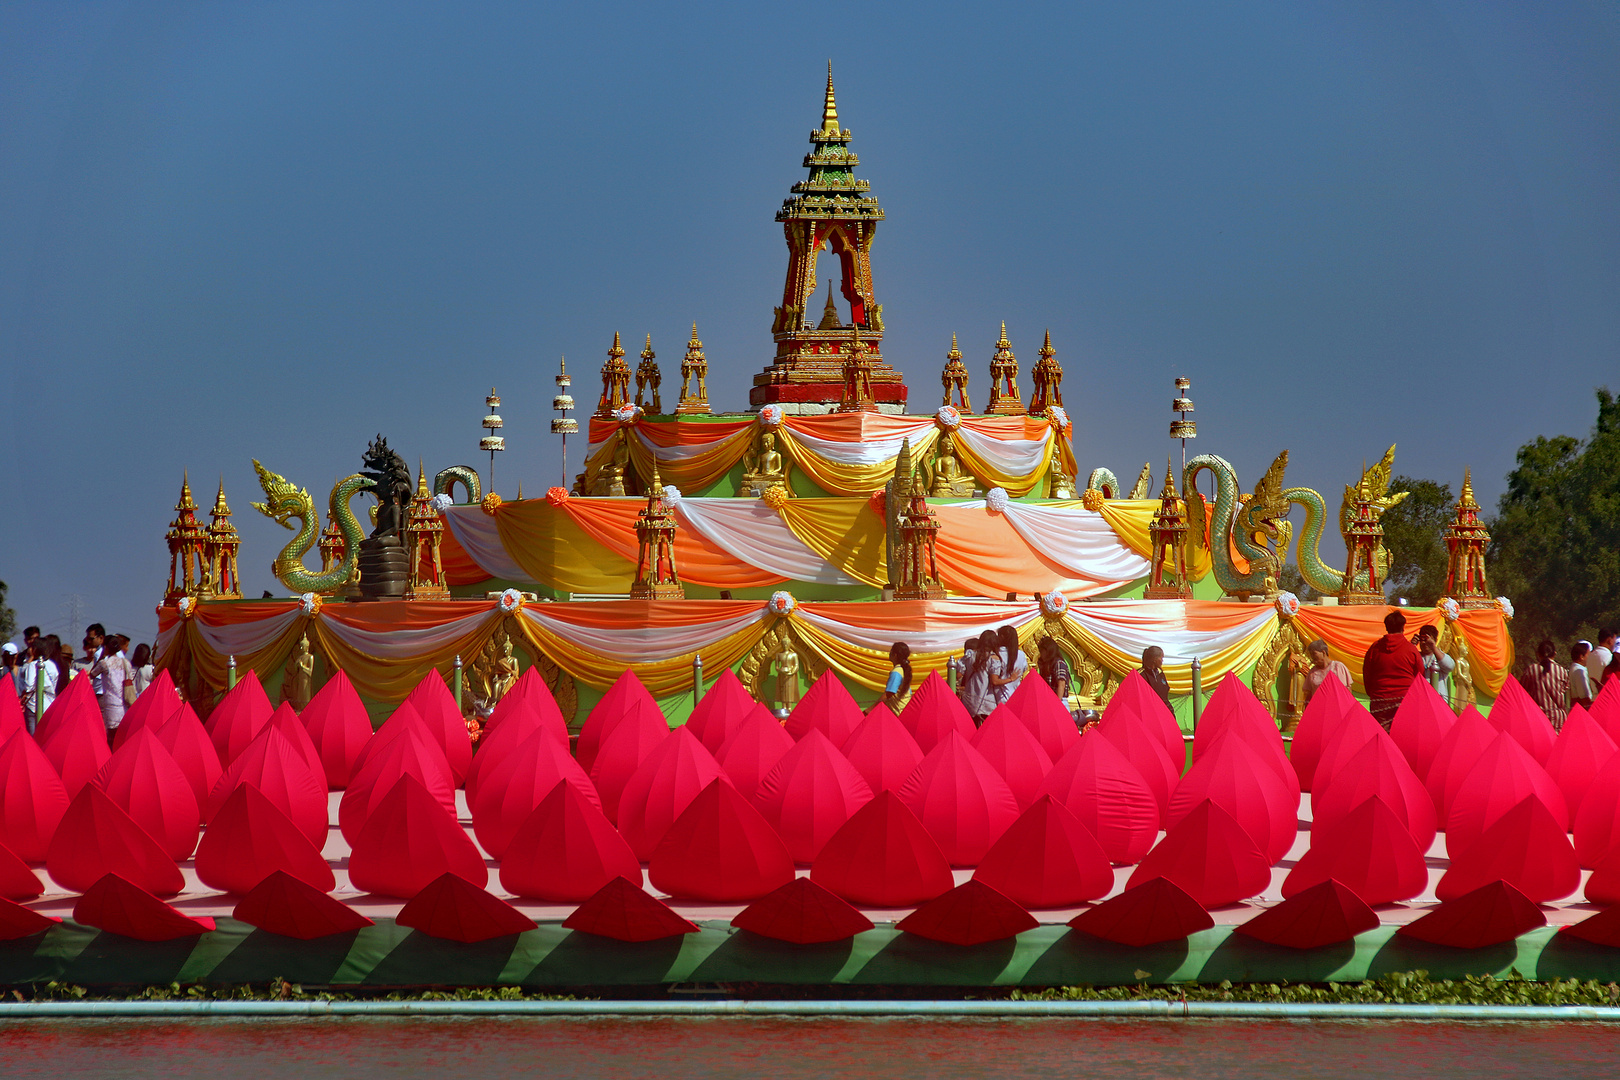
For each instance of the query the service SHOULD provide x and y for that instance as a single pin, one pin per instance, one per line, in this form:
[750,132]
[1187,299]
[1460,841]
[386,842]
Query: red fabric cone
[187,742]
[1369,850]
[155,706]
[1012,749]
[282,904]
[1600,929]
[339,727]
[238,718]
[12,719]
[1516,712]
[17,881]
[1323,914]
[970,914]
[1096,783]
[1597,826]
[1047,859]
[250,839]
[882,750]
[809,794]
[529,696]
[1582,749]
[1419,726]
[282,775]
[752,751]
[1504,774]
[1489,915]
[934,711]
[76,744]
[76,702]
[1145,751]
[720,849]
[147,784]
[1380,769]
[1045,716]
[1233,707]
[826,707]
[622,911]
[1603,887]
[1134,701]
[32,798]
[1209,855]
[719,711]
[1459,751]
[286,721]
[1524,847]
[1233,776]
[1146,914]
[403,719]
[415,754]
[453,908]
[17,921]
[629,744]
[96,838]
[883,857]
[802,913]
[433,701]
[1355,730]
[408,841]
[626,697]
[495,749]
[1606,709]
[566,850]
[960,799]
[1322,717]
[662,788]
[512,789]
[122,907]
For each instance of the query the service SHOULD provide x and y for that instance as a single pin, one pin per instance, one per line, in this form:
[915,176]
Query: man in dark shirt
[1153,672]
[1388,669]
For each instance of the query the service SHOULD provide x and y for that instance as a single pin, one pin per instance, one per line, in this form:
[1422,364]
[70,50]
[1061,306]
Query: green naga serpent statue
[1317,574]
[285,500]
[1258,525]
[465,475]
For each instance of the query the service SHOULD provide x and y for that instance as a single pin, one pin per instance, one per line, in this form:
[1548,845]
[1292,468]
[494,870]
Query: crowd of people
[43,666]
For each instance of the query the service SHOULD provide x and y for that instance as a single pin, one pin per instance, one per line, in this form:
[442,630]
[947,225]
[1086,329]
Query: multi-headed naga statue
[384,560]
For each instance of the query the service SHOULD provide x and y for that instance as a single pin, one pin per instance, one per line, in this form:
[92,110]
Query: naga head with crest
[391,478]
[283,499]
[1263,513]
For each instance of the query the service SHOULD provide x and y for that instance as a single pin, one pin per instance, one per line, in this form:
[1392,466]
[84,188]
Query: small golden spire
[1003,343]
[955,353]
[617,349]
[520,491]
[421,479]
[829,111]
[1466,499]
[647,352]
[1046,349]
[829,315]
[657,490]
[221,507]
[1169,491]
[186,502]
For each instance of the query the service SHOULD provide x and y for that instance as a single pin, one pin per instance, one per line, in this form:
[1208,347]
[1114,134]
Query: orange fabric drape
[612,523]
[1350,631]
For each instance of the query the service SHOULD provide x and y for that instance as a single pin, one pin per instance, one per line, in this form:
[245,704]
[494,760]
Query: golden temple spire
[186,502]
[1169,491]
[222,509]
[829,315]
[421,479]
[657,489]
[1466,499]
[955,353]
[829,111]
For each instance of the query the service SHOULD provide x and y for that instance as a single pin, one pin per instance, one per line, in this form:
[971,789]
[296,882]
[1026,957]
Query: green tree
[8,618]
[1414,535]
[1555,542]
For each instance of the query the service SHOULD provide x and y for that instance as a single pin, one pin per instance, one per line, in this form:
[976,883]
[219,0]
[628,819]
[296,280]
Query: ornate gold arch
[756,666]
[1454,645]
[1093,682]
[1288,646]
[561,684]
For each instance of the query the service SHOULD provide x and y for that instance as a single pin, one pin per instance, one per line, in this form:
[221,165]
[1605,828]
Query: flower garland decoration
[1059,417]
[1287,604]
[510,600]
[1091,499]
[310,603]
[996,500]
[1054,604]
[671,497]
[187,605]
[1449,608]
[442,502]
[776,496]
[626,413]
[949,418]
[490,503]
[771,416]
[556,496]
[781,602]
[1506,606]
[878,501]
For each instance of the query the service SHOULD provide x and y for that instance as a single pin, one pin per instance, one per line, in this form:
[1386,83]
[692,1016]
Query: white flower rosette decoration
[671,497]
[770,416]
[996,500]
[1287,604]
[309,603]
[781,602]
[626,413]
[1505,605]
[510,600]
[442,502]
[1059,416]
[1054,604]
[187,605]
[1450,609]
[949,418]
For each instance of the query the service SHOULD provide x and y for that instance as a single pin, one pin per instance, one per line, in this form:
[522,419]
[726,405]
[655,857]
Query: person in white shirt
[38,677]
[1014,665]
[1599,657]
[1437,666]
[110,672]
[1580,681]
[142,663]
[94,636]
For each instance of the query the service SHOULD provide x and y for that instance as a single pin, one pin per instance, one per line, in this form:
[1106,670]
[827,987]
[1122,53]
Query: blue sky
[273,230]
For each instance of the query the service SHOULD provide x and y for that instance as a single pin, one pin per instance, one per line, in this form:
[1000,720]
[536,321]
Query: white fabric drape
[944,639]
[1013,457]
[406,644]
[757,535]
[1078,540]
[239,639]
[479,537]
[869,452]
[1132,625]
[641,644]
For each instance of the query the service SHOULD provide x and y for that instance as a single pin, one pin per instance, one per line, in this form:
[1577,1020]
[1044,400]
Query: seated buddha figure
[763,467]
[949,480]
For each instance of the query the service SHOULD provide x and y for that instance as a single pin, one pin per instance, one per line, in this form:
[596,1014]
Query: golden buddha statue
[1059,484]
[763,466]
[298,684]
[786,663]
[504,672]
[610,478]
[949,481]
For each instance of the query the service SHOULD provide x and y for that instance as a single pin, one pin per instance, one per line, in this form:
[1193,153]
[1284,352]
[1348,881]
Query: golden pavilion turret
[1168,578]
[648,380]
[656,575]
[615,381]
[424,531]
[1047,376]
[1363,536]
[188,547]
[224,544]
[954,378]
[1005,399]
[1466,540]
[916,564]
[694,379]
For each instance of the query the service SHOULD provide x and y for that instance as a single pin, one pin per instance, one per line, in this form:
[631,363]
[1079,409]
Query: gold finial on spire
[221,507]
[955,353]
[829,315]
[186,502]
[1169,491]
[1466,499]
[421,479]
[829,111]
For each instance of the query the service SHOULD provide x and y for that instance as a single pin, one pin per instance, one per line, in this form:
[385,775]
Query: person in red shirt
[1388,669]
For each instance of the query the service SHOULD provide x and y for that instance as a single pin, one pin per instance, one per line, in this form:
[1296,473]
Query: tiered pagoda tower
[832,211]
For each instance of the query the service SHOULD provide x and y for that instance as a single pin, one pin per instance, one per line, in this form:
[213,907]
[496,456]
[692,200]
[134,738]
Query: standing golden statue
[786,663]
[298,683]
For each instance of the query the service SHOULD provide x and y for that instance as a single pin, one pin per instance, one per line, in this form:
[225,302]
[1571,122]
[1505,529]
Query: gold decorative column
[1169,533]
[656,576]
[1466,540]
[423,534]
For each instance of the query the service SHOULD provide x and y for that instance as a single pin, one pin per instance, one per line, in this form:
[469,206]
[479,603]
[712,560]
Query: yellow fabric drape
[989,476]
[391,679]
[214,668]
[554,551]
[848,534]
[868,667]
[1130,519]
[837,478]
[693,473]
[661,677]
[1238,657]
